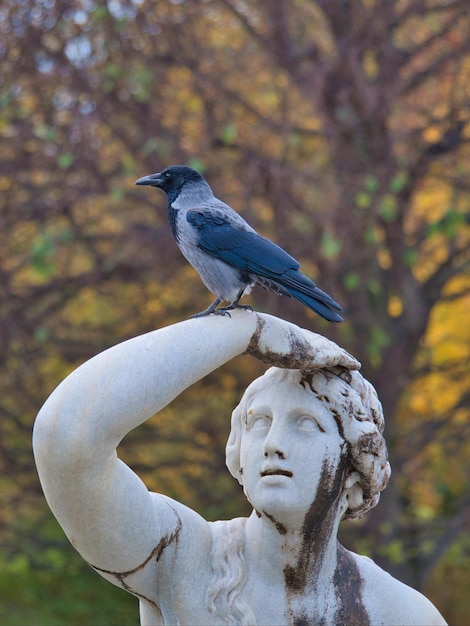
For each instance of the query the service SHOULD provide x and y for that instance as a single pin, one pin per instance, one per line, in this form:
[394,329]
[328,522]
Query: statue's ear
[353,493]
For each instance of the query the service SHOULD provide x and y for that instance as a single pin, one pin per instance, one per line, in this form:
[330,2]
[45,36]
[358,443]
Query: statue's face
[290,442]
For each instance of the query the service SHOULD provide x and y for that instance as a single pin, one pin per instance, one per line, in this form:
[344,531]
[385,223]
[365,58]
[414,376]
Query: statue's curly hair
[353,404]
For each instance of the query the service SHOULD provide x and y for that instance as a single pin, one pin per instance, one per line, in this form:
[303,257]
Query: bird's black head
[172,179]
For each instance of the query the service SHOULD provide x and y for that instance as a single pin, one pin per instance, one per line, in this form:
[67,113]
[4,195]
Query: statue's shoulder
[181,527]
[389,601]
[228,535]
[190,533]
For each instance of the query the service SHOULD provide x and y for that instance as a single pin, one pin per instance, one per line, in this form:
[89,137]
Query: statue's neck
[298,556]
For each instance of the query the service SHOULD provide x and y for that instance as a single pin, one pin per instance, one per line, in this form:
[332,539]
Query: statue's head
[348,404]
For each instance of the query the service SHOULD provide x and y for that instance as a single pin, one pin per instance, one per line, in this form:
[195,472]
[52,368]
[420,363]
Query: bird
[228,254]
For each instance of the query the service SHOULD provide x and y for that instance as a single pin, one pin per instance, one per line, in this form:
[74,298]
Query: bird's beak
[154,180]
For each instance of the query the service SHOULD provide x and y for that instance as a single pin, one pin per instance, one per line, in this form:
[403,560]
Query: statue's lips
[277,472]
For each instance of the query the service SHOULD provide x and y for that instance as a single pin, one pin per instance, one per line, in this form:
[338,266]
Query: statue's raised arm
[306,444]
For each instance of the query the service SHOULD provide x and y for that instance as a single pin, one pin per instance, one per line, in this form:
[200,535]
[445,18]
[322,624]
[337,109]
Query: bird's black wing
[243,249]
[252,253]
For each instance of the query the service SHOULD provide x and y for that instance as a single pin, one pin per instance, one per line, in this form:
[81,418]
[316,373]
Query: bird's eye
[167,175]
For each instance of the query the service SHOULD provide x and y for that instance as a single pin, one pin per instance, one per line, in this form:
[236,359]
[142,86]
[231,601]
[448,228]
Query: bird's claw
[213,312]
[245,307]
[225,310]
[222,311]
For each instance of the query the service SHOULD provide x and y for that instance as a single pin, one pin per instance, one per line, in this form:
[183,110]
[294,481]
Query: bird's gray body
[223,280]
[226,251]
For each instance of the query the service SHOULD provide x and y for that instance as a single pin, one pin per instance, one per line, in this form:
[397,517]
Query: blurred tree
[340,129]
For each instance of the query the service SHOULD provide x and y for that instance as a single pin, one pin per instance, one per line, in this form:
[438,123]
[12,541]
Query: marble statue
[305,443]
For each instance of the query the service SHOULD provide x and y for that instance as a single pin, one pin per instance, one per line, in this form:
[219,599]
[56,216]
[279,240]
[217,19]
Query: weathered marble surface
[306,444]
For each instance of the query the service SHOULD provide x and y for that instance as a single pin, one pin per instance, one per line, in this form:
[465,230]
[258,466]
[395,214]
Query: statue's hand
[283,344]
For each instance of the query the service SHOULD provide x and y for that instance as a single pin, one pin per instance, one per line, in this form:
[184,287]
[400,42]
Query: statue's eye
[309,423]
[257,421]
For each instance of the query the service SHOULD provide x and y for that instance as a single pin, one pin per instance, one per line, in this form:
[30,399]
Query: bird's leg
[212,309]
[235,304]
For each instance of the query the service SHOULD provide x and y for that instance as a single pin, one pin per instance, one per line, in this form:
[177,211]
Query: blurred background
[341,130]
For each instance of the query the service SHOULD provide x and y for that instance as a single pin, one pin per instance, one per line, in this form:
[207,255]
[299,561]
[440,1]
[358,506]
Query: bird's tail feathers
[305,290]
[315,302]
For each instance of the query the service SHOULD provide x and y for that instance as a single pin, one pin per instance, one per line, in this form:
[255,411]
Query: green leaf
[452,222]
[41,334]
[197,164]
[370,235]
[5,98]
[378,340]
[371,183]
[140,83]
[117,194]
[374,286]
[388,207]
[99,13]
[351,281]
[113,70]
[156,144]
[399,181]
[294,140]
[44,132]
[448,225]
[394,550]
[42,251]
[229,134]
[330,246]
[65,160]
[410,256]
[362,200]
